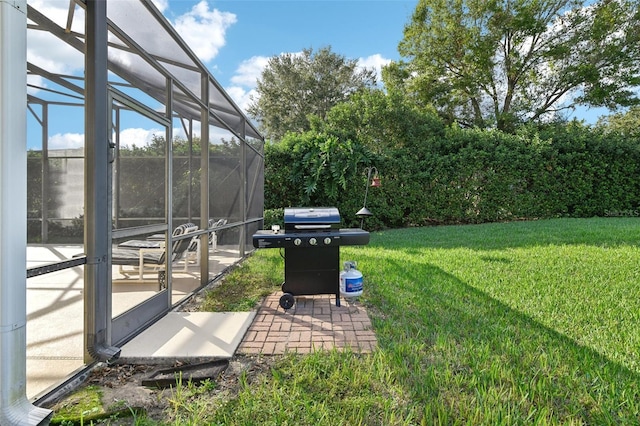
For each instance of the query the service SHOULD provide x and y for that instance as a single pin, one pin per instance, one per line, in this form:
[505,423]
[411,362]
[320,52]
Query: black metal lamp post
[371,181]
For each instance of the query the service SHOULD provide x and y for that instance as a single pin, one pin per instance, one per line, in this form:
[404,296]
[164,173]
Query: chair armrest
[142,253]
[150,250]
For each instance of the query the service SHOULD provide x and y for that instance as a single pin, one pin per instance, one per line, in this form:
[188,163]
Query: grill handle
[312,226]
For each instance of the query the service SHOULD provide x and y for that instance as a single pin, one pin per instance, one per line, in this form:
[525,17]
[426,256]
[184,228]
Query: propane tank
[350,280]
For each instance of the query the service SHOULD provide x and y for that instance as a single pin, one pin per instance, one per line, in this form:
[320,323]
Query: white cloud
[35,81]
[51,54]
[66,141]
[245,80]
[138,136]
[58,10]
[204,30]
[374,62]
[162,5]
[249,71]
[179,130]
[241,96]
[46,50]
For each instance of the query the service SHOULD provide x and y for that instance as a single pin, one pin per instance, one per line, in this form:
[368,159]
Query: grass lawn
[496,324]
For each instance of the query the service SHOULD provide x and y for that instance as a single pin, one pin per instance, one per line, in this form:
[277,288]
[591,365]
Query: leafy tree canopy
[626,124]
[180,147]
[496,63]
[383,121]
[293,86]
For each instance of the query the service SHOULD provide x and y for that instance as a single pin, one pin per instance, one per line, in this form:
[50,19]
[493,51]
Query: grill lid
[311,218]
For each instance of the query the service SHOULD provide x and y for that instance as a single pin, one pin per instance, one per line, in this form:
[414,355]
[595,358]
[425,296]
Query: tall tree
[293,86]
[624,123]
[494,63]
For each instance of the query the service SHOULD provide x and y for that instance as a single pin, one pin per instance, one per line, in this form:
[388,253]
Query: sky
[235,39]
[249,32]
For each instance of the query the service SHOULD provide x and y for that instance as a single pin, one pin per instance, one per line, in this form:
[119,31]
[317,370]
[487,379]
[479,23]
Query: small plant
[76,407]
[189,403]
[85,407]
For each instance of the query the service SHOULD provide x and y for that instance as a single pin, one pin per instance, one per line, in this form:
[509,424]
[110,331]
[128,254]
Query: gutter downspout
[15,409]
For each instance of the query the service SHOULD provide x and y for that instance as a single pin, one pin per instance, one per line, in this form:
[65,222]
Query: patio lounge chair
[213,236]
[193,251]
[149,256]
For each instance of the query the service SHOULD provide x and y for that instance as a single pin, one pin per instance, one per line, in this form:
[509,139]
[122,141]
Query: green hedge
[452,176]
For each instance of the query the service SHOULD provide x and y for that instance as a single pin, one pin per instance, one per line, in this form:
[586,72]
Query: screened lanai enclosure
[144,180]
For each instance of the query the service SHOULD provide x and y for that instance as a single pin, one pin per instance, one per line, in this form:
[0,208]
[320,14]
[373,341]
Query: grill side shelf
[342,237]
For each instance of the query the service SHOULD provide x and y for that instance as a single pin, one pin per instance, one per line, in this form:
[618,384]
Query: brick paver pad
[313,323]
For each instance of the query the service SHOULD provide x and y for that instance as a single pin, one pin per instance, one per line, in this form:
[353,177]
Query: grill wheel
[286,301]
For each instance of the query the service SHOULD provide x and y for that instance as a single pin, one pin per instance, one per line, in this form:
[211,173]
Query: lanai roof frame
[129,35]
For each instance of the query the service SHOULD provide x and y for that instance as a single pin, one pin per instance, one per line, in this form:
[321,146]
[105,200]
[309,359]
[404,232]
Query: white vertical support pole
[15,409]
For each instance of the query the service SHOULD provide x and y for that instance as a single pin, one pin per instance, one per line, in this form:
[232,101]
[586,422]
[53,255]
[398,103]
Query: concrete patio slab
[188,336]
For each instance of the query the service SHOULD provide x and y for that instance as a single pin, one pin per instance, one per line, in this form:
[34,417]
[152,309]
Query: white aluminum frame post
[15,408]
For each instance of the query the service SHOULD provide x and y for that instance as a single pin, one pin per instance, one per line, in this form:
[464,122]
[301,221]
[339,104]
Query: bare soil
[121,386]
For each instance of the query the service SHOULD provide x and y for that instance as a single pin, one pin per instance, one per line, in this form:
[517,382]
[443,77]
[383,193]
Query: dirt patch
[121,386]
[123,392]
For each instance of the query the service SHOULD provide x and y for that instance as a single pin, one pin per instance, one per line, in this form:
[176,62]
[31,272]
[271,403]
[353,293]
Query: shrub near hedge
[597,173]
[467,176]
[487,176]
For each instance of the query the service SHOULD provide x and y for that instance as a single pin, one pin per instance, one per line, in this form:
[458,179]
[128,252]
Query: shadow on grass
[466,357]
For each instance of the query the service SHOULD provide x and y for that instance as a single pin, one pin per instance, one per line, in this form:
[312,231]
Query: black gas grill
[311,241]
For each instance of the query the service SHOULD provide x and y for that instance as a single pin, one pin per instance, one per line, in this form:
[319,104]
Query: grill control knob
[327,241]
[313,241]
[297,241]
